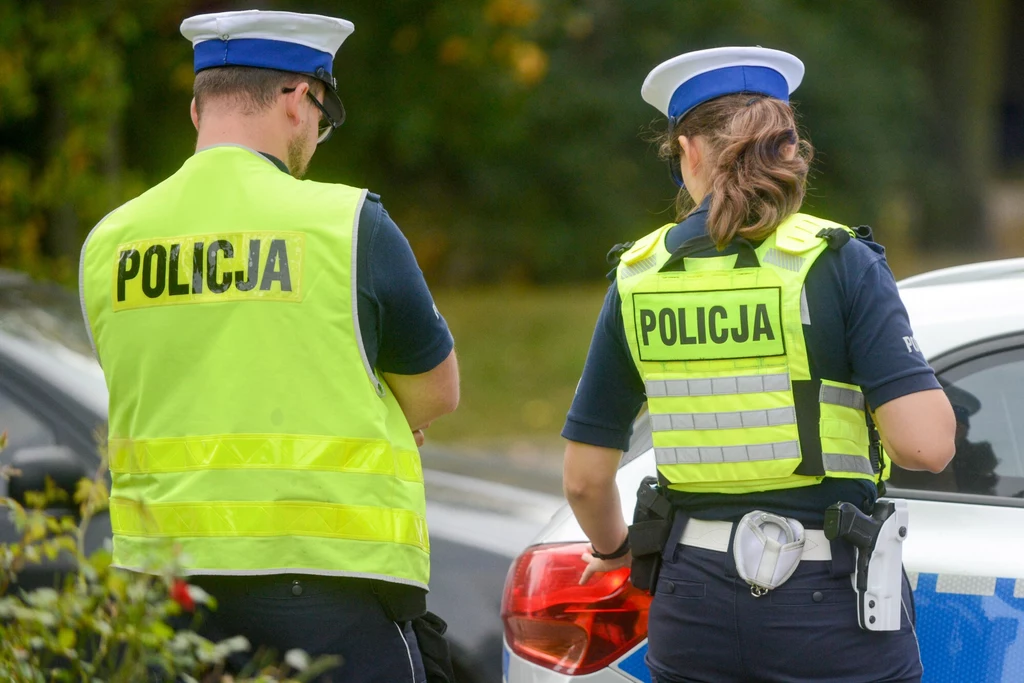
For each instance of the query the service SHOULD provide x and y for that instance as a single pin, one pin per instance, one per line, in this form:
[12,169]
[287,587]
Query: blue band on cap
[726,81]
[263,53]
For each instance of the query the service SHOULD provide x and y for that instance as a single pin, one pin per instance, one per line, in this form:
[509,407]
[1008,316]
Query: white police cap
[680,84]
[286,41]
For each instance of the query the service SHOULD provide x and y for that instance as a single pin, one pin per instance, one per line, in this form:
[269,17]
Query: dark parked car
[53,401]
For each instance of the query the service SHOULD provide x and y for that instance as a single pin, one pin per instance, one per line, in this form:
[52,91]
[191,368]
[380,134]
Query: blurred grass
[521,351]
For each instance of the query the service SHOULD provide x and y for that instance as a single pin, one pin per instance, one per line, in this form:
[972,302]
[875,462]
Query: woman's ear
[690,154]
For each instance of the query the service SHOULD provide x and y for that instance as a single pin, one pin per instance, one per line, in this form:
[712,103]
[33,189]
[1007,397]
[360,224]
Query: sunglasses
[326,127]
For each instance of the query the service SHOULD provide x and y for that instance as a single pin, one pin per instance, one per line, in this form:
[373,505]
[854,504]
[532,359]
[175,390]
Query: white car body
[964,554]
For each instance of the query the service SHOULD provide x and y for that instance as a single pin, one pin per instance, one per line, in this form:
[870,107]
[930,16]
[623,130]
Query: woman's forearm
[588,480]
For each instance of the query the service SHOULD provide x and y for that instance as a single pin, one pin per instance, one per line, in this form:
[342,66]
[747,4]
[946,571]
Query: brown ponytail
[752,183]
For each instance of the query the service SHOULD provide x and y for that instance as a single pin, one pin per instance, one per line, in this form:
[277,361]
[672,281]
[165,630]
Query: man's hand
[596,566]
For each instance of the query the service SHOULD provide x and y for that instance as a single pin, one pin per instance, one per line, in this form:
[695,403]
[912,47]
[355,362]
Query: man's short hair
[251,89]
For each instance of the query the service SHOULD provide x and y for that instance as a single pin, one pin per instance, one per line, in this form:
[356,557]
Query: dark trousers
[706,627]
[317,614]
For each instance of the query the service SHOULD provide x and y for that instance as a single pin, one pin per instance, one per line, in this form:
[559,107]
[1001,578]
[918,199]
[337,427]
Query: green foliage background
[506,136]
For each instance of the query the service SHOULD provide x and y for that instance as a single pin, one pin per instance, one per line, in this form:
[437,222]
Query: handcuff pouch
[767,549]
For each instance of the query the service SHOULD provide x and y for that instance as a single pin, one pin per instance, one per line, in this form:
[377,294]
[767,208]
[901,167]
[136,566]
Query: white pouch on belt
[767,549]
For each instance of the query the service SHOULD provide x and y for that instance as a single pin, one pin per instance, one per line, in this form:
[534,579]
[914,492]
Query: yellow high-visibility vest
[720,346]
[246,425]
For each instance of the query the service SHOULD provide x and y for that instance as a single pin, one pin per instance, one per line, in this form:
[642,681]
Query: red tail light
[552,621]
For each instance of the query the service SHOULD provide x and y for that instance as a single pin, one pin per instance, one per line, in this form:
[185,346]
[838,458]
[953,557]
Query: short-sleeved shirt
[859,333]
[403,332]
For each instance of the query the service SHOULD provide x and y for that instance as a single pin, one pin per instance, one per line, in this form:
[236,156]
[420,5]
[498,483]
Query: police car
[964,553]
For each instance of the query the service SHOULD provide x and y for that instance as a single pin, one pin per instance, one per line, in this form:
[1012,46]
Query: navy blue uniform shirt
[858,334]
[403,332]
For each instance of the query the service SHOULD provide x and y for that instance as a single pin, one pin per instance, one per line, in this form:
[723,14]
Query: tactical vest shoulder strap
[801,233]
[640,256]
[645,246]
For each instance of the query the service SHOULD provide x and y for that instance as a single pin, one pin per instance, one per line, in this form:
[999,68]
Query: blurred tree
[62,94]
[964,64]
[506,136]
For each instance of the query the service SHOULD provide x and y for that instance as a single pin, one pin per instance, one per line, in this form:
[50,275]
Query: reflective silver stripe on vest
[837,396]
[839,462]
[720,454]
[640,266]
[740,419]
[784,260]
[718,386]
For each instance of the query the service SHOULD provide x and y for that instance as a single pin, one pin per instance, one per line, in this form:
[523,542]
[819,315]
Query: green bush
[102,624]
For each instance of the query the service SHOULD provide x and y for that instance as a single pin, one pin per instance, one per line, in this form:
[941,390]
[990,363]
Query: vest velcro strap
[367,456]
[719,454]
[262,519]
[849,398]
[717,386]
[853,464]
[808,411]
[737,419]
[816,401]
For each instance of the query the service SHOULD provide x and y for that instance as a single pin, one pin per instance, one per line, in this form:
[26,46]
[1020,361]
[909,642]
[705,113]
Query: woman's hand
[596,566]
[588,479]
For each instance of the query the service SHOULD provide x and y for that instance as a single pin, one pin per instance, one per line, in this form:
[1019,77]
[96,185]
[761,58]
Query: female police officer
[762,339]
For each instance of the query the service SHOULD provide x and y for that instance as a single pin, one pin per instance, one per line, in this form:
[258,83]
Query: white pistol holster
[878,539]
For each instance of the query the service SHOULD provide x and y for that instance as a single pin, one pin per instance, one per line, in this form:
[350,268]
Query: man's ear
[195,114]
[294,101]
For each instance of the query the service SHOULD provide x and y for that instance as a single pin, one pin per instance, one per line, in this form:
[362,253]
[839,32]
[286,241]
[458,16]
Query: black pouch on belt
[401,603]
[652,521]
[437,657]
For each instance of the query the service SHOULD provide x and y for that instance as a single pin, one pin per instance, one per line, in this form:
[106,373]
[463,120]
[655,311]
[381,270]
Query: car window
[987,395]
[22,427]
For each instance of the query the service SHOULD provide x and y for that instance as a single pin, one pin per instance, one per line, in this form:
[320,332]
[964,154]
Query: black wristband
[619,552]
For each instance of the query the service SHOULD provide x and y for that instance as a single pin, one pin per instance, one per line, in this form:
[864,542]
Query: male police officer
[272,354]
